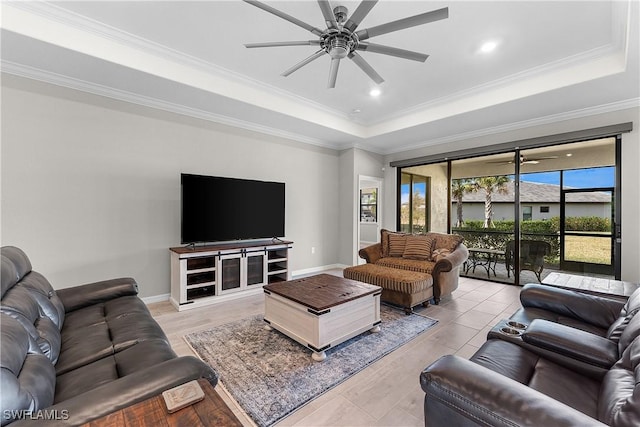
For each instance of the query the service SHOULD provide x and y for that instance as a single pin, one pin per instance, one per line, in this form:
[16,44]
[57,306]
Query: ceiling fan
[341,40]
[525,160]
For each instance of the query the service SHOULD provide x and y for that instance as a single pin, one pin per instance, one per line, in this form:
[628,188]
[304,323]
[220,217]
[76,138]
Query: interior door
[587,238]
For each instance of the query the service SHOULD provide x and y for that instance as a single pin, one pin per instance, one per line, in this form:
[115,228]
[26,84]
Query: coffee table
[322,311]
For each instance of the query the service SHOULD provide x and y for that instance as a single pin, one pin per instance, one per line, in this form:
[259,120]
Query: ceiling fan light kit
[341,40]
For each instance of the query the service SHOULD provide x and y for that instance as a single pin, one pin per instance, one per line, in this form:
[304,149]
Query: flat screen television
[224,209]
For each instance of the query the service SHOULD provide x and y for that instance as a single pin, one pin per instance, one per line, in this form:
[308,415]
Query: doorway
[369,212]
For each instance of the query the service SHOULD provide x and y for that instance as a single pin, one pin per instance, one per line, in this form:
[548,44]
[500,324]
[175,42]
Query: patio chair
[532,253]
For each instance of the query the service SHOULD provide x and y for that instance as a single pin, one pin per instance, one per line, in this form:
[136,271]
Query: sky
[579,178]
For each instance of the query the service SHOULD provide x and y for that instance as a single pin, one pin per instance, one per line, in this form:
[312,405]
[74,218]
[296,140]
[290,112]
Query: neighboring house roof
[534,192]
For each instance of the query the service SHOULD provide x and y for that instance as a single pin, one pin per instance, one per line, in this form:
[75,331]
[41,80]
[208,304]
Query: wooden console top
[322,291]
[228,246]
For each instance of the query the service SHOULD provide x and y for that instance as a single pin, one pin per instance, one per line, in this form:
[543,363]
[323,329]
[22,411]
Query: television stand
[204,275]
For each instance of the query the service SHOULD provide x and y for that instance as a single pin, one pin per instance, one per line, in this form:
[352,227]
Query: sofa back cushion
[619,400]
[27,377]
[630,309]
[418,247]
[446,241]
[31,301]
[384,242]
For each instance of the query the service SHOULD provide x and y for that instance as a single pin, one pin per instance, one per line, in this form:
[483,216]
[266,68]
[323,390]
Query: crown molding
[83,23]
[620,17]
[51,24]
[545,120]
[145,101]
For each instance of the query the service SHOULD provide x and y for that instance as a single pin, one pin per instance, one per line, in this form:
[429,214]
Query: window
[527,213]
[369,205]
[544,209]
[414,191]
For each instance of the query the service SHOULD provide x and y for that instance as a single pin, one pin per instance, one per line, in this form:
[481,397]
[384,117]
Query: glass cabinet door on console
[241,270]
[230,272]
[255,267]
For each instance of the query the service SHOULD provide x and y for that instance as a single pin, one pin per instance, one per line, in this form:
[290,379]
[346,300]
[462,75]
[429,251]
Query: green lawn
[595,250]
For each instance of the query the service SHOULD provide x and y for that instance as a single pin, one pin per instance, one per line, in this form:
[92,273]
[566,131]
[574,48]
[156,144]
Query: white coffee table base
[322,330]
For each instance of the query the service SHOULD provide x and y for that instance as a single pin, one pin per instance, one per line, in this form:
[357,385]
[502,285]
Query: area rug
[270,375]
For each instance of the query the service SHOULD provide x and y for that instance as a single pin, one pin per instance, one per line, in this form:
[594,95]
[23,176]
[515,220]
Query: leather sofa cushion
[407,264]
[515,362]
[111,367]
[528,315]
[94,332]
[20,303]
[27,377]
[630,309]
[576,344]
[8,275]
[618,404]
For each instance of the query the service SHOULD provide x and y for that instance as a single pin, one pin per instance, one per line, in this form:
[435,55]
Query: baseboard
[313,270]
[156,298]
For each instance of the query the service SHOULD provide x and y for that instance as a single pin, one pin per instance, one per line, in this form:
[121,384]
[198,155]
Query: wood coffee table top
[322,291]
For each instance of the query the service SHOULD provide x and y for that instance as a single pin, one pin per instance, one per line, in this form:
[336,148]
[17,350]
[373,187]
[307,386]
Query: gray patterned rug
[270,375]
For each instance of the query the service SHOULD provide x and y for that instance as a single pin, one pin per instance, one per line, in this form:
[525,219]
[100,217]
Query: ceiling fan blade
[541,158]
[359,14]
[327,12]
[333,72]
[304,62]
[278,44]
[364,66]
[404,23]
[393,51]
[285,16]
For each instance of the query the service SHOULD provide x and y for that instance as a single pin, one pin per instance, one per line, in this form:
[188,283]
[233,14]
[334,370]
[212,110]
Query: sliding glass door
[523,213]
[482,211]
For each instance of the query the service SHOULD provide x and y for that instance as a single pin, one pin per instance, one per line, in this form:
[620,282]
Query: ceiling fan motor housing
[339,46]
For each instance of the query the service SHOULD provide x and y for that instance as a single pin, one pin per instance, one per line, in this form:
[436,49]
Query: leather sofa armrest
[592,309]
[93,293]
[572,342]
[125,392]
[460,392]
[372,253]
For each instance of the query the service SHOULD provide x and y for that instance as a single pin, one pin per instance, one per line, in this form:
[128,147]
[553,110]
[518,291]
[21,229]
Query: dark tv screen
[223,209]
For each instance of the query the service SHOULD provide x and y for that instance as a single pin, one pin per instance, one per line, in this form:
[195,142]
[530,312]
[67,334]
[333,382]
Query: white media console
[203,275]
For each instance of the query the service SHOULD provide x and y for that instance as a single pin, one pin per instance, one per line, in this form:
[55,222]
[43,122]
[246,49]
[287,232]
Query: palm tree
[459,187]
[491,184]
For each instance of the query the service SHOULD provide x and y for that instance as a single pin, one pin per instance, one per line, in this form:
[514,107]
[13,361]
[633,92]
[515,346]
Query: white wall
[630,172]
[353,162]
[91,186]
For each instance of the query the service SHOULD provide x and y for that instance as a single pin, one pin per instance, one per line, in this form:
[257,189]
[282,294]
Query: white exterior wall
[504,211]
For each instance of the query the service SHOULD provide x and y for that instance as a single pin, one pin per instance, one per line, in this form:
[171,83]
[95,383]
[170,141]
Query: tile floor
[388,392]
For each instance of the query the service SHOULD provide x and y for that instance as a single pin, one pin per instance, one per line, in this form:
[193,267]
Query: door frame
[364,181]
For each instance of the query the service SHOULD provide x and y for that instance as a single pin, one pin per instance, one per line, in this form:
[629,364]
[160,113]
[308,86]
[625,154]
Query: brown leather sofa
[577,363]
[441,256]
[76,354]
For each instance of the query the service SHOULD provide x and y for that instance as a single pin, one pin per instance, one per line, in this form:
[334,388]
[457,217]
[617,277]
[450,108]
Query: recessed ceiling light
[488,47]
[569,154]
[375,92]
